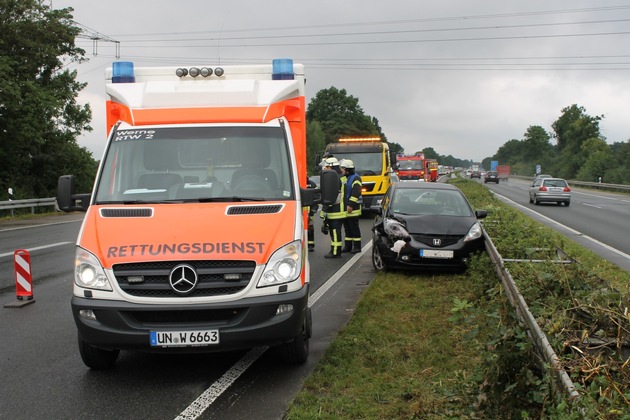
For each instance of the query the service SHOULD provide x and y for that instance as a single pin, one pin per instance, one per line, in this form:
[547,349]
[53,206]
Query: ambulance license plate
[434,253]
[184,338]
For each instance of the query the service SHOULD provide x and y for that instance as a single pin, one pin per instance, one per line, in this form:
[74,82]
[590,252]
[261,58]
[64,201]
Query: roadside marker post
[23,279]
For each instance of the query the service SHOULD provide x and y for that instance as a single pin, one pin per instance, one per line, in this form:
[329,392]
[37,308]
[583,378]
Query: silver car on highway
[550,190]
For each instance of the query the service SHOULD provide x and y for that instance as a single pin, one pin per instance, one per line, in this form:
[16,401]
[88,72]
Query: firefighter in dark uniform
[311,212]
[334,214]
[353,202]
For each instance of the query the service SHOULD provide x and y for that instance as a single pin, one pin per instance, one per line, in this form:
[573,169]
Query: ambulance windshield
[198,163]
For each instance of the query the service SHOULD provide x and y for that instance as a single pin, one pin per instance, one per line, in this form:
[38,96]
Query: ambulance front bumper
[241,324]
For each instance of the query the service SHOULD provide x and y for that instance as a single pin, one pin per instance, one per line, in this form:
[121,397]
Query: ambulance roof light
[282,69]
[353,139]
[122,72]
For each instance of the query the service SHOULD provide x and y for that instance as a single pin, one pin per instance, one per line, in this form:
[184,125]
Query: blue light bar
[122,72]
[282,69]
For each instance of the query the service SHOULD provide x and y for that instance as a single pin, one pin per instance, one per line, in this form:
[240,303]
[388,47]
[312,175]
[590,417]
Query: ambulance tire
[96,358]
[296,352]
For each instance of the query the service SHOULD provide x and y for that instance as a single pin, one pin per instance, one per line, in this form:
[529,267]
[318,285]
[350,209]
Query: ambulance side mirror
[326,194]
[67,200]
[329,187]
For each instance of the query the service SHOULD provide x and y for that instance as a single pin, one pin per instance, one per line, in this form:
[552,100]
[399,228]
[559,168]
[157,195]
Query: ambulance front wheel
[296,352]
[96,358]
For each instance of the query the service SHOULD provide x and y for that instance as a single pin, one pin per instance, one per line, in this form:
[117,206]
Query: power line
[380,41]
[95,36]
[379,33]
[395,22]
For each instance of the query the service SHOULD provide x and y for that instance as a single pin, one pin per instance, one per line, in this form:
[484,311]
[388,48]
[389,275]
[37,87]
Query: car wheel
[377,260]
[96,358]
[296,352]
[567,203]
[530,199]
[535,200]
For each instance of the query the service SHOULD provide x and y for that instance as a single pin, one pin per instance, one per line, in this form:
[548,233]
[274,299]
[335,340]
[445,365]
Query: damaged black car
[422,226]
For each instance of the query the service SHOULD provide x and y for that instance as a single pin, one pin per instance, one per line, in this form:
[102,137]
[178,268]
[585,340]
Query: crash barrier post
[23,275]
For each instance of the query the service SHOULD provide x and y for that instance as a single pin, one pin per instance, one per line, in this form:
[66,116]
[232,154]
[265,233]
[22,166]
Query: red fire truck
[411,166]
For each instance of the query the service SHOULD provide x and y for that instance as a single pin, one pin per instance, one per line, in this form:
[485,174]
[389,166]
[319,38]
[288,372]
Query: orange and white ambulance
[195,233]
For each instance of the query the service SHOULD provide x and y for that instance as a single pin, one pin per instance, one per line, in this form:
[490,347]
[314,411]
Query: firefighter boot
[357,247]
[347,247]
[332,254]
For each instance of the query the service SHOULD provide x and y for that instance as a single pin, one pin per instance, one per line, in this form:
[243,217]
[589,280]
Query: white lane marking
[37,248]
[198,406]
[601,196]
[592,205]
[205,400]
[575,232]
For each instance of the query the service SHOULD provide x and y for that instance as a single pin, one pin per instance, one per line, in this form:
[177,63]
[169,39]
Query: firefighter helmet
[346,163]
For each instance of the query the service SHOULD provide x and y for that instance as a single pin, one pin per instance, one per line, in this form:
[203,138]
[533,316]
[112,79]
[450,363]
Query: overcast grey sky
[460,76]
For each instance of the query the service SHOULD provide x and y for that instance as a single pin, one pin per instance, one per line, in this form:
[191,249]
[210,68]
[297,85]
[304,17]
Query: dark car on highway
[491,176]
[423,225]
[475,174]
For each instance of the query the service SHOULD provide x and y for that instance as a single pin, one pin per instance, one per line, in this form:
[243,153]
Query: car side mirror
[481,214]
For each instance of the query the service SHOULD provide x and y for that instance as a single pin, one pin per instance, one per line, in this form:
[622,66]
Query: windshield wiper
[224,199]
[237,198]
[153,202]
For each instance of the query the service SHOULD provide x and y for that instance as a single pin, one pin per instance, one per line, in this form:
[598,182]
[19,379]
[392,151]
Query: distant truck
[431,170]
[503,171]
[373,161]
[411,167]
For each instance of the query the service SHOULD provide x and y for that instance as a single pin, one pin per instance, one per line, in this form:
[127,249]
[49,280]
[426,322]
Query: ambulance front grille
[151,279]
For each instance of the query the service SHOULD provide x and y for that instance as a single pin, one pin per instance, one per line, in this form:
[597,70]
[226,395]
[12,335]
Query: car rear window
[555,183]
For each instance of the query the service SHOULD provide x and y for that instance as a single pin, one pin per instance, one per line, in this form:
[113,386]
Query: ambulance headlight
[284,266]
[88,271]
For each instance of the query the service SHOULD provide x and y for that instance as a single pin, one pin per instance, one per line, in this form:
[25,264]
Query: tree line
[580,153]
[333,114]
[40,119]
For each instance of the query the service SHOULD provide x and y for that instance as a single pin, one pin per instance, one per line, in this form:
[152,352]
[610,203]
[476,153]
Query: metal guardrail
[32,203]
[537,336]
[601,186]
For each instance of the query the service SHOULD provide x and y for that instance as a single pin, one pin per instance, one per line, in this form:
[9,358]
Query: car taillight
[566,189]
[543,188]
